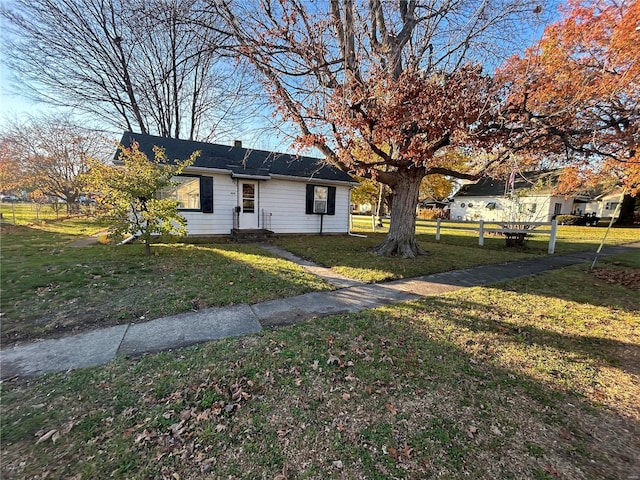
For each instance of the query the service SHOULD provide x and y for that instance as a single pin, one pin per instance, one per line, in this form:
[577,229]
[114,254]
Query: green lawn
[350,255]
[534,379]
[51,287]
[32,213]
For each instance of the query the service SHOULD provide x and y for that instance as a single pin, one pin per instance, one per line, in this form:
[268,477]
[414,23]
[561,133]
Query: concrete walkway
[98,347]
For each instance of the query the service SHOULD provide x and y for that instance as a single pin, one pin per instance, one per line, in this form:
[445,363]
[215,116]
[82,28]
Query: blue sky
[13,105]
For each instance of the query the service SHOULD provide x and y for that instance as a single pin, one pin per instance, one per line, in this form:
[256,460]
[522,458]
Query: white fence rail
[482,227]
[505,228]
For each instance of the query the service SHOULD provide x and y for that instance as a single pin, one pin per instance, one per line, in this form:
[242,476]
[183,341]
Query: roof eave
[313,179]
[248,176]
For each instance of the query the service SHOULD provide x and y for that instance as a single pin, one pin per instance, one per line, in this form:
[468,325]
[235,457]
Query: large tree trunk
[627,211]
[401,239]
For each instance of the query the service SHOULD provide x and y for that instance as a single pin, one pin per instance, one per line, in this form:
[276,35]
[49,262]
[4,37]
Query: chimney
[237,143]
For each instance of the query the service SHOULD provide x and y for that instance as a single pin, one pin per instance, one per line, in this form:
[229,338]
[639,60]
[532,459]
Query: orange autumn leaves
[579,88]
[404,122]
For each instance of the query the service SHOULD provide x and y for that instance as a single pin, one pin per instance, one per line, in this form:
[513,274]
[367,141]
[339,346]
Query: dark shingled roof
[240,161]
[491,187]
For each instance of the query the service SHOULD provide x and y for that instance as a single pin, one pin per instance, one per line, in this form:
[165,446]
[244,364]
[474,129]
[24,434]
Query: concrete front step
[250,235]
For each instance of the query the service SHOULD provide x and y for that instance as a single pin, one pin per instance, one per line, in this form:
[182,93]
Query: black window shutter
[206,194]
[331,201]
[310,192]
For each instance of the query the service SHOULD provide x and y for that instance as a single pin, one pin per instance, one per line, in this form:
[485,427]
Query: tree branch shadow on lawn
[420,406]
[99,286]
[604,350]
[605,437]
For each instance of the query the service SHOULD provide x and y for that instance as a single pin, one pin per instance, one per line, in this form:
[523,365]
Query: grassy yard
[457,249]
[51,286]
[535,379]
[32,213]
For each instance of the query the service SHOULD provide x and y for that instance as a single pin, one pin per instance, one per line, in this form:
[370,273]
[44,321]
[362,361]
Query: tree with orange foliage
[577,94]
[11,174]
[356,75]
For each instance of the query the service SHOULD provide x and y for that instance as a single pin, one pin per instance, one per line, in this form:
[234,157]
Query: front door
[249,205]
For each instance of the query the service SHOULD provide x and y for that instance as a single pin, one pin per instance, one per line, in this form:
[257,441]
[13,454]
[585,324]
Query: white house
[529,198]
[605,205]
[230,189]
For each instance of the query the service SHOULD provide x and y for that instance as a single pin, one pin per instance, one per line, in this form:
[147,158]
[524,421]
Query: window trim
[310,199]
[320,191]
[205,192]
[252,198]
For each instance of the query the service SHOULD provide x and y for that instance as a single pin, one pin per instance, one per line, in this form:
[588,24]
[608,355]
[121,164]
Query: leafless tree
[139,65]
[383,87]
[50,153]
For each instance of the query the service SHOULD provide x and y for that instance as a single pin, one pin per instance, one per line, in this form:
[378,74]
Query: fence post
[438,229]
[481,233]
[552,236]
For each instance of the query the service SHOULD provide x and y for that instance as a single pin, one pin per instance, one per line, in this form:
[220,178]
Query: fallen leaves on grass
[625,277]
[392,396]
[55,433]
[392,409]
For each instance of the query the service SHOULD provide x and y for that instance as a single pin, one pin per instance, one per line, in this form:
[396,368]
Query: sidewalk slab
[188,329]
[318,304]
[278,312]
[58,355]
[373,295]
[443,282]
[100,346]
[287,255]
[337,280]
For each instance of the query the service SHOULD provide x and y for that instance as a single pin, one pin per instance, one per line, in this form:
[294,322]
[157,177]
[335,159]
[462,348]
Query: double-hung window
[320,197]
[321,200]
[191,193]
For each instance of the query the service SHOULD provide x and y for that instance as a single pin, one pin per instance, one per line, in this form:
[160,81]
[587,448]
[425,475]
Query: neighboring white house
[529,198]
[604,205]
[234,188]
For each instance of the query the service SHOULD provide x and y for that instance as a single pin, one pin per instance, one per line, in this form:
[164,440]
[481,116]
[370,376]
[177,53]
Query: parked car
[85,199]
[588,219]
[9,198]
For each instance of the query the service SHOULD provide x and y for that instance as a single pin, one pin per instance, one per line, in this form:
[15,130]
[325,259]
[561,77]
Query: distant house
[531,198]
[235,188]
[605,204]
[433,209]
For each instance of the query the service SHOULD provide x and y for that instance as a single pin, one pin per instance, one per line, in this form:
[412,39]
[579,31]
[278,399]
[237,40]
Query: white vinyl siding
[286,201]
[535,208]
[283,199]
[221,221]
